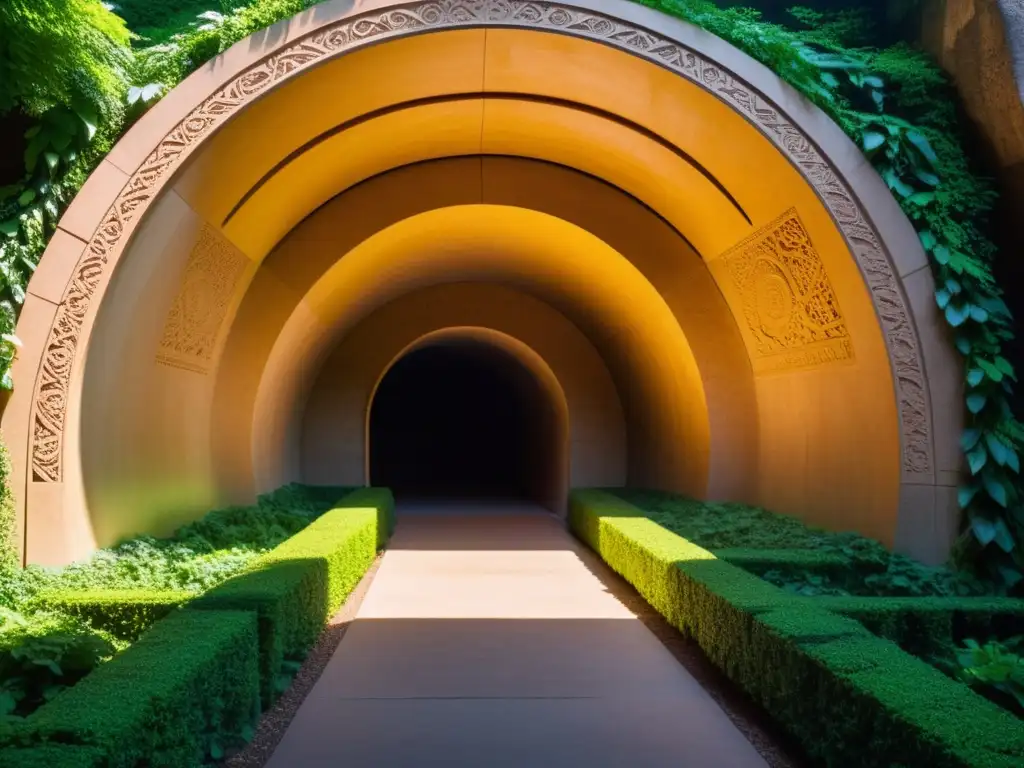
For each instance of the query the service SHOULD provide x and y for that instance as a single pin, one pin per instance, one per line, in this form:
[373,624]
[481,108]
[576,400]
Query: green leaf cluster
[175,55]
[59,52]
[159,20]
[64,64]
[996,665]
[42,654]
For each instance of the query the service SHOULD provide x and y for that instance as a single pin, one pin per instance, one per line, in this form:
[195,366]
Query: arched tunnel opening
[464,420]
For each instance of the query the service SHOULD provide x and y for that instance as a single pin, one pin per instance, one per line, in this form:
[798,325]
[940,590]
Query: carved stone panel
[194,323]
[793,319]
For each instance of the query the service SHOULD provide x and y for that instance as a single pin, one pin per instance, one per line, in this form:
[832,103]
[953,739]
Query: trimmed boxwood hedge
[296,587]
[52,756]
[125,614]
[194,682]
[188,684]
[785,560]
[849,697]
[924,625]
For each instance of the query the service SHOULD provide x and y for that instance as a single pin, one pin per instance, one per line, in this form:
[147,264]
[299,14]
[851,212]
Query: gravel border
[753,723]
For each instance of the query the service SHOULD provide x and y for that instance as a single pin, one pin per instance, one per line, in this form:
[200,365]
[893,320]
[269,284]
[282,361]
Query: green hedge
[380,499]
[849,697]
[125,614]
[786,560]
[52,756]
[923,625]
[190,684]
[295,588]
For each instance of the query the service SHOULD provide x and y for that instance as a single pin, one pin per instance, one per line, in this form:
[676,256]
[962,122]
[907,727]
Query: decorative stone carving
[377,25]
[792,312]
[194,322]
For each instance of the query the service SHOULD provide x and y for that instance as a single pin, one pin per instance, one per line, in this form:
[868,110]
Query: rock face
[981,44]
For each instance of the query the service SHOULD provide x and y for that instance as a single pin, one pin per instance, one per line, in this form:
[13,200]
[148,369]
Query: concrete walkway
[485,641]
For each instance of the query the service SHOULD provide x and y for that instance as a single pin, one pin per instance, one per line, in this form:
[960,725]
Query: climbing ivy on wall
[900,108]
[63,71]
[896,104]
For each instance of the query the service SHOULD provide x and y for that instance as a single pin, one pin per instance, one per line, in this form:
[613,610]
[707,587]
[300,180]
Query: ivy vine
[898,107]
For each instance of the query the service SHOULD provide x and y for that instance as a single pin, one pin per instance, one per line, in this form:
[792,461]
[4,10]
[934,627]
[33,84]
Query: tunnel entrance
[462,419]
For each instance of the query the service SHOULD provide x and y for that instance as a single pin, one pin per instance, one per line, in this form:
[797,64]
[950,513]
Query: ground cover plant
[189,690]
[947,618]
[57,625]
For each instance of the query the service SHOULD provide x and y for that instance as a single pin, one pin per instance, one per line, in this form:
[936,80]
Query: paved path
[485,642]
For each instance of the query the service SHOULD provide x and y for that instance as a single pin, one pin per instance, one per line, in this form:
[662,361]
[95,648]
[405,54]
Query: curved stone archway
[760,304]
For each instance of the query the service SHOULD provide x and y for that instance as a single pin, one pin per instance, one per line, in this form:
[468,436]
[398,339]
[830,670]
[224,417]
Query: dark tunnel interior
[462,419]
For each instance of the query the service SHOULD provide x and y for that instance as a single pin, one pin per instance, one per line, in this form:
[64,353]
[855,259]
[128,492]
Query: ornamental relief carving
[51,393]
[792,313]
[194,322]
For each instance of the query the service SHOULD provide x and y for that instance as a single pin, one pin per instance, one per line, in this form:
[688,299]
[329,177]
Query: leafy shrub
[208,34]
[996,665]
[155,19]
[82,613]
[929,627]
[44,654]
[57,52]
[64,66]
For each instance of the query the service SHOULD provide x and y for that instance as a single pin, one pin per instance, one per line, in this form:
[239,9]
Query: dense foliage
[42,655]
[188,691]
[64,70]
[996,666]
[53,632]
[900,109]
[155,20]
[893,102]
[847,695]
[857,565]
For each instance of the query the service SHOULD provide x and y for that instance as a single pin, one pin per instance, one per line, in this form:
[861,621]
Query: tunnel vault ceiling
[730,302]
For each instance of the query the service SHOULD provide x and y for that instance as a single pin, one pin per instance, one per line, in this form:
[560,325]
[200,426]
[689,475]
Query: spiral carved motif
[53,381]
